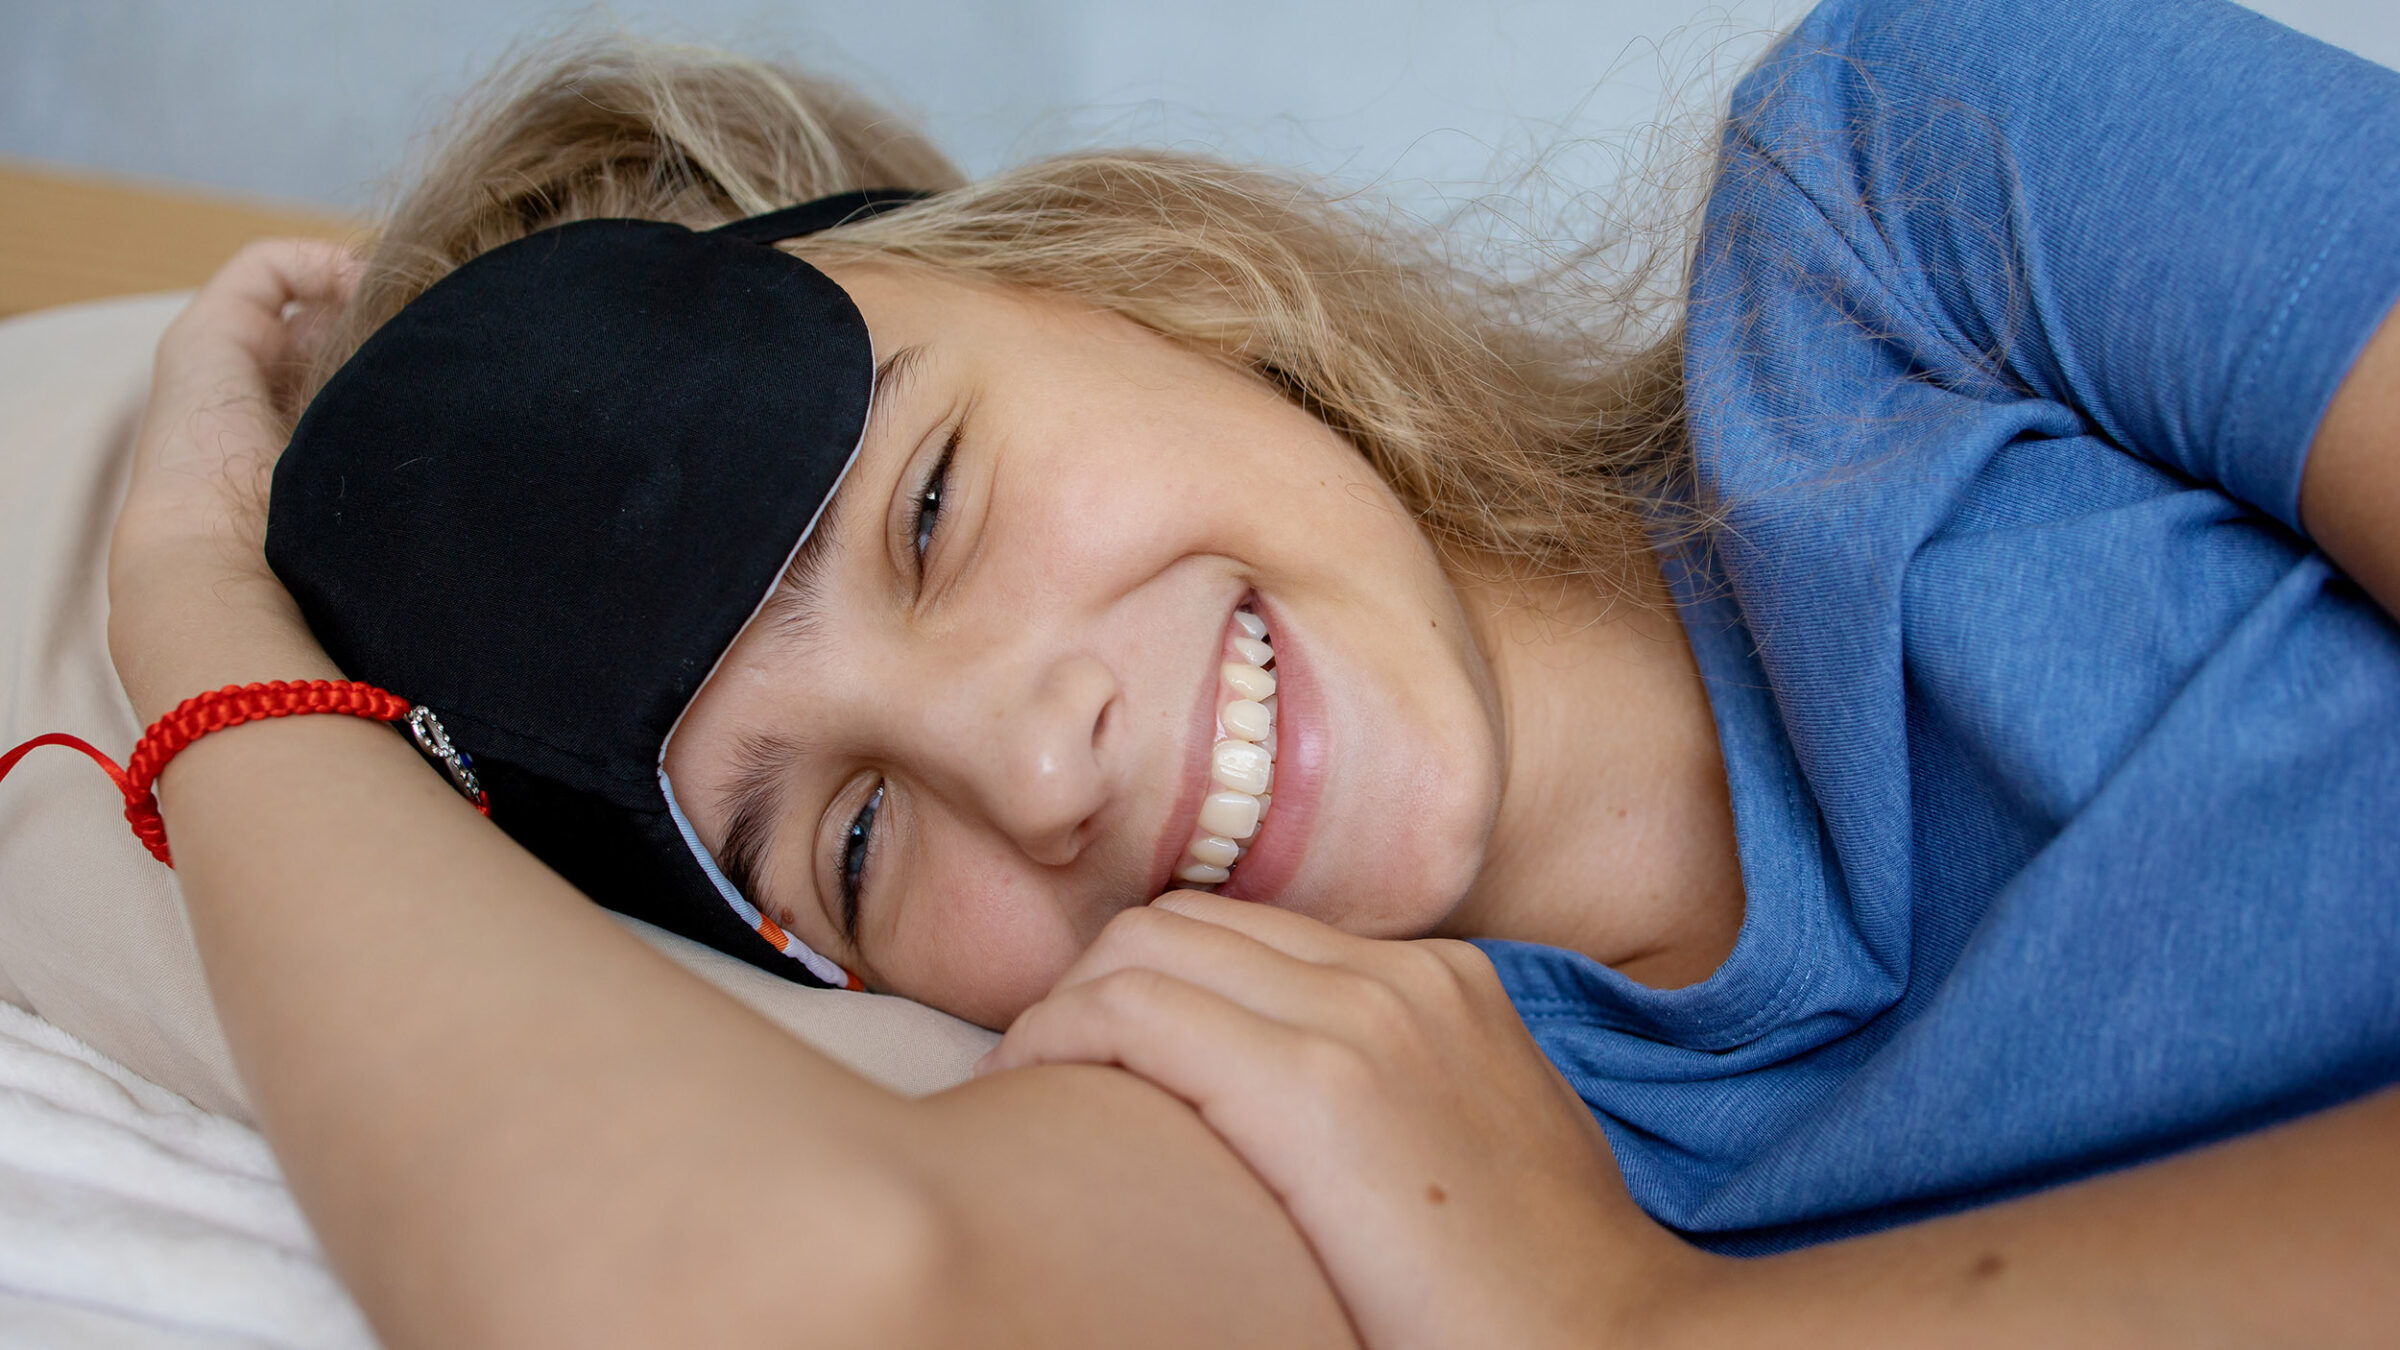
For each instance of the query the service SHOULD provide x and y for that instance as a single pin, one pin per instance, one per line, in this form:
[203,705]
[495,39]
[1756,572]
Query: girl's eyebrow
[794,610]
[762,766]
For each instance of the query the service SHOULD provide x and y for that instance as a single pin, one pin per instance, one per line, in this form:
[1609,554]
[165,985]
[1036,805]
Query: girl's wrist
[185,635]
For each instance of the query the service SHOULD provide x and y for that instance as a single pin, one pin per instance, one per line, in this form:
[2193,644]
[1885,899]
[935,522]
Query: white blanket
[130,1217]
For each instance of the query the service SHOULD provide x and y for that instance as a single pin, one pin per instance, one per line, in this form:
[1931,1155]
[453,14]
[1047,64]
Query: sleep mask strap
[822,214]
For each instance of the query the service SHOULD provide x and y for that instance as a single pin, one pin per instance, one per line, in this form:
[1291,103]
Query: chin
[1402,888]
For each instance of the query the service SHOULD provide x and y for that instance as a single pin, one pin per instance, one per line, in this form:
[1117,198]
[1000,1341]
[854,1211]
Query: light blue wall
[316,99]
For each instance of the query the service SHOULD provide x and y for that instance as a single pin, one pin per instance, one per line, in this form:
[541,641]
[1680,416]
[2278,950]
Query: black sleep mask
[544,499]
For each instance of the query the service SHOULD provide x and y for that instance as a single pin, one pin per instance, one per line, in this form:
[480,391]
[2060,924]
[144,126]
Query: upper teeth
[1241,765]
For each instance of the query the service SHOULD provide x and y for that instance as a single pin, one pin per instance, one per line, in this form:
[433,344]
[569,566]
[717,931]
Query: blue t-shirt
[2066,774]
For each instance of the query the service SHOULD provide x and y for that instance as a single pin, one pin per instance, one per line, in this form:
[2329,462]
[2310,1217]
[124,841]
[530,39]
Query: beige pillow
[92,931]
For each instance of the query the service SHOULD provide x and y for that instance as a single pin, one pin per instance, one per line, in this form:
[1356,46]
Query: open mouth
[1241,762]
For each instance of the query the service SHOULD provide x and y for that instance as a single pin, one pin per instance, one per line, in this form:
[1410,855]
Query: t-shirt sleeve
[2175,217]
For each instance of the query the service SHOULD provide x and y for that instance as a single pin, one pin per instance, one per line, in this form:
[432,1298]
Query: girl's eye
[929,502]
[855,842]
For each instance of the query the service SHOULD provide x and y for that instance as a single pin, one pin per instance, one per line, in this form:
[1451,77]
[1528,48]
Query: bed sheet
[131,1217]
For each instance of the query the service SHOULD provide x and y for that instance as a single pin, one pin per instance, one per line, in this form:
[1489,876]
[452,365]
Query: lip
[1200,735]
[1282,838]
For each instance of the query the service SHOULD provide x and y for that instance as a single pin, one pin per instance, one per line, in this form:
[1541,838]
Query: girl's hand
[1455,1189]
[192,604]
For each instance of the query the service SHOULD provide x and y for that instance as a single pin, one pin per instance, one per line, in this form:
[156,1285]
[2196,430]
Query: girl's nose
[1026,738]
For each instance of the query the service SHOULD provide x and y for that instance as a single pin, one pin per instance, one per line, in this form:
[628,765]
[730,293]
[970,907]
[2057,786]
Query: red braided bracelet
[230,707]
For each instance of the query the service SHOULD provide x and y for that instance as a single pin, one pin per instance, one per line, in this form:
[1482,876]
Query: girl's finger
[1196,1045]
[1420,964]
[236,322]
[1294,935]
[1224,961]
[272,273]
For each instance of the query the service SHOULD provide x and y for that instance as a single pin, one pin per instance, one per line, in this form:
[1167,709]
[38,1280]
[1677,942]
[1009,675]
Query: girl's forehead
[915,301]
[961,317]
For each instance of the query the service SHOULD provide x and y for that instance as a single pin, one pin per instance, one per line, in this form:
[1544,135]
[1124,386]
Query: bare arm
[2350,493]
[2285,1237]
[513,1124]
[1494,1216]
[504,1115]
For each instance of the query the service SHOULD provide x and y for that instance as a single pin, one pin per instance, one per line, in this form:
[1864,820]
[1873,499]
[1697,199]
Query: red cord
[214,711]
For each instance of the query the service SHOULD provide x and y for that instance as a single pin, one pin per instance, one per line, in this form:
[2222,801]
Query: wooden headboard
[67,236]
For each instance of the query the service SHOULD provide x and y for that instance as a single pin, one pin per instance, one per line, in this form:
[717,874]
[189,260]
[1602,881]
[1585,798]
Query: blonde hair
[1532,432]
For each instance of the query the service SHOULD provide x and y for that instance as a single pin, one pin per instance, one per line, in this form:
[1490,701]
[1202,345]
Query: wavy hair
[1533,424]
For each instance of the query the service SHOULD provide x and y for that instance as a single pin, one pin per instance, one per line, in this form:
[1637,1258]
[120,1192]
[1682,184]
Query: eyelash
[929,503]
[858,841]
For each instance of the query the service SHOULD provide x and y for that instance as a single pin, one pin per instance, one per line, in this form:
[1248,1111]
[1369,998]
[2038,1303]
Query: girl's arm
[1459,1194]
[513,1124]
[2350,491]
[2284,1237]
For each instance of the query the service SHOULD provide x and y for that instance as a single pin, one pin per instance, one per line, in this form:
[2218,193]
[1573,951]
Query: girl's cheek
[983,963]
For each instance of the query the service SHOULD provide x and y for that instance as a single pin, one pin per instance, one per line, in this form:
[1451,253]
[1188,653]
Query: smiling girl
[1910,749]
[1074,573]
